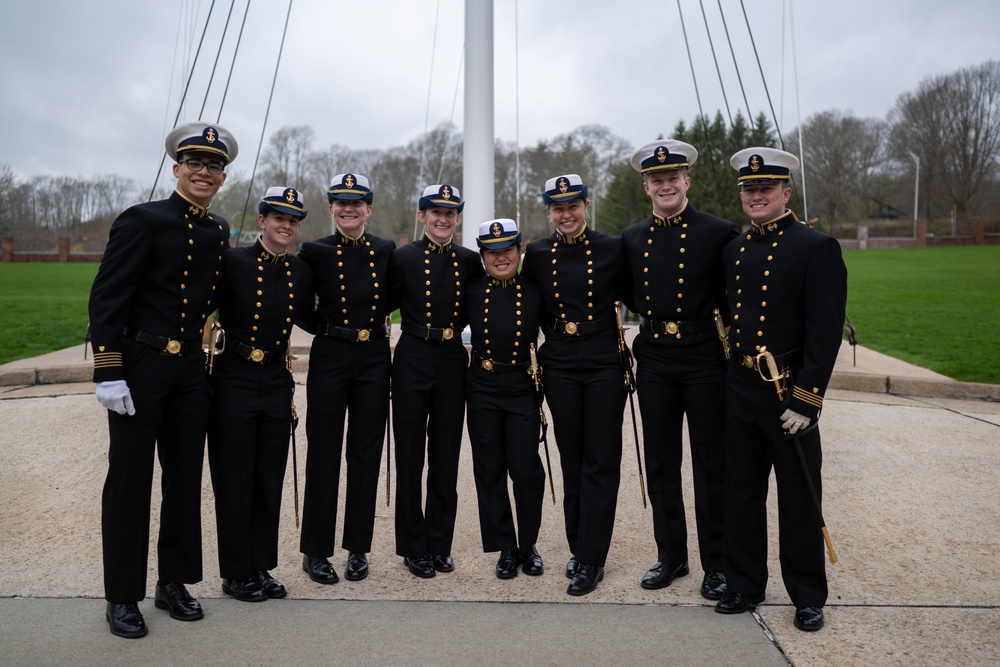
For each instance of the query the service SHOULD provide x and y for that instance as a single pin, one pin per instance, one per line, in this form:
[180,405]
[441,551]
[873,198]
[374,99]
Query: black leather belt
[750,360]
[430,334]
[177,348]
[353,335]
[581,328]
[678,328]
[479,361]
[250,353]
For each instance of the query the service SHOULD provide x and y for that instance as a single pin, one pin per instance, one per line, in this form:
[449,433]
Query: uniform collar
[347,240]
[579,238]
[192,208]
[439,248]
[497,282]
[781,222]
[671,220]
[266,255]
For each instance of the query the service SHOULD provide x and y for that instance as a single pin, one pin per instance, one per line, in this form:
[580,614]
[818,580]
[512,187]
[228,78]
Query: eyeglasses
[196,165]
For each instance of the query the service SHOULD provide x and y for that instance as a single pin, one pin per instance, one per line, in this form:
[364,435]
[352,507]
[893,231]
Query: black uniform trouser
[171,414]
[502,413]
[585,390]
[248,434]
[671,382]
[345,378]
[428,406]
[754,444]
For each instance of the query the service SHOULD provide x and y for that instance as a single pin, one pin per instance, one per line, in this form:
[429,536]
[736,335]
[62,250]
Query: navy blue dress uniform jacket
[787,289]
[159,275]
[502,410]
[428,391]
[356,283]
[673,273]
[251,417]
[584,379]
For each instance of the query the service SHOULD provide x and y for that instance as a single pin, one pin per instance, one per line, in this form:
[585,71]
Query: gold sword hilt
[723,336]
[776,376]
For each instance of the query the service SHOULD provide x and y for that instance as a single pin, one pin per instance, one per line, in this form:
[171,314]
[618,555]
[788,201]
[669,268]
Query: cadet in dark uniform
[576,270]
[153,293]
[674,279]
[349,366]
[252,388]
[787,293]
[502,408]
[428,382]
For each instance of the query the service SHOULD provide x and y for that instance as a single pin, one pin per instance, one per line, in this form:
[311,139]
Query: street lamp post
[916,191]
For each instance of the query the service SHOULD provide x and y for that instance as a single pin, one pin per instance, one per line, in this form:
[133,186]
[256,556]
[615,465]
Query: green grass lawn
[43,307]
[934,307]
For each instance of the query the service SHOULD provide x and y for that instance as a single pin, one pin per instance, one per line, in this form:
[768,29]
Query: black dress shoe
[572,565]
[713,586]
[586,579]
[662,575]
[442,563]
[809,619]
[737,603]
[175,598]
[357,567]
[420,566]
[319,570]
[507,564]
[244,590]
[531,562]
[125,620]
[271,586]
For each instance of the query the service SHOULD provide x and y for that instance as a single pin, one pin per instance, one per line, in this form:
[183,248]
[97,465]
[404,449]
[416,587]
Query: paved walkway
[912,502]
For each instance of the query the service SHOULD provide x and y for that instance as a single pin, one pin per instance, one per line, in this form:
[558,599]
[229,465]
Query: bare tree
[843,155]
[952,123]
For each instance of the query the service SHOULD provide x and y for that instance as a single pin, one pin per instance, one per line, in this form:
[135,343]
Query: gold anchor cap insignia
[496,229]
[349,180]
[290,195]
[210,135]
[445,192]
[562,184]
[661,154]
[755,162]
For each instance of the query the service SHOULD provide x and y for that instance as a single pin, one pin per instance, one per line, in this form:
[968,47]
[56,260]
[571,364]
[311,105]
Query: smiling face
[198,186]
[569,217]
[278,230]
[350,215]
[439,222]
[502,264]
[764,203]
[667,189]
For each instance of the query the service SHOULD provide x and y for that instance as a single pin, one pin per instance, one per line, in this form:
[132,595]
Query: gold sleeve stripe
[807,397]
[107,359]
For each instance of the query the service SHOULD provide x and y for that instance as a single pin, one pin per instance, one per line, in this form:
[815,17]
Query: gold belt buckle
[173,346]
[748,361]
[257,355]
[364,335]
[672,328]
[572,328]
[448,334]
[486,364]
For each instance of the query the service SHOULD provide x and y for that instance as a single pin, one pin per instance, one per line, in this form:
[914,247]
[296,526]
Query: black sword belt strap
[581,328]
[431,334]
[479,361]
[678,328]
[749,361]
[178,348]
[353,335]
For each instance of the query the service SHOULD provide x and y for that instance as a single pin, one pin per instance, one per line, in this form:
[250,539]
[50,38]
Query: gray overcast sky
[91,87]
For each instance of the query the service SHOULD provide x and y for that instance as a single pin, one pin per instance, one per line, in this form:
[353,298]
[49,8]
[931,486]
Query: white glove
[114,395]
[793,421]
